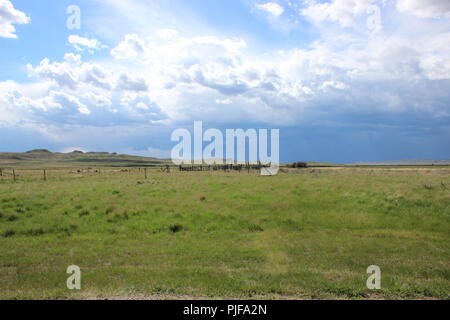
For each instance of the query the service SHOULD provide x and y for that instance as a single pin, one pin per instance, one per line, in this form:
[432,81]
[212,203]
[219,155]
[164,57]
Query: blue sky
[343,80]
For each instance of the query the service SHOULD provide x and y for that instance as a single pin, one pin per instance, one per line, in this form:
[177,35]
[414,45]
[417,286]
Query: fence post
[14,175]
[45,175]
[145,170]
[1,172]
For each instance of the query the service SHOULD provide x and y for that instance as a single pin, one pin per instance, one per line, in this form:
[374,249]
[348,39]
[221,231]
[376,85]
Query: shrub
[84,213]
[427,186]
[109,210]
[255,228]
[299,164]
[13,218]
[34,232]
[8,233]
[175,228]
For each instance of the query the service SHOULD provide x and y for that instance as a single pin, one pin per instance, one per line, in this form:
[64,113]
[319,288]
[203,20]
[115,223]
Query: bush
[255,228]
[109,210]
[176,228]
[34,232]
[299,164]
[13,218]
[84,213]
[9,233]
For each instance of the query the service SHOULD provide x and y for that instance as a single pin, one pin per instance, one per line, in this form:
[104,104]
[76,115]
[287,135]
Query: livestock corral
[165,232]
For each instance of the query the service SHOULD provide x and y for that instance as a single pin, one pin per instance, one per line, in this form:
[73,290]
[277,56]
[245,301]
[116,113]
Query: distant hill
[410,162]
[40,158]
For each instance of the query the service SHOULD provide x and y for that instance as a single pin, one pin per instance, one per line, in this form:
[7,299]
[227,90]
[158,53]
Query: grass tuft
[84,213]
[255,228]
[12,218]
[34,232]
[175,228]
[9,233]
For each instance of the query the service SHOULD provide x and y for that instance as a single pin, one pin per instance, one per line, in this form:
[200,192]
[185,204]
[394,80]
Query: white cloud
[73,74]
[63,73]
[8,17]
[131,83]
[80,43]
[272,8]
[71,149]
[425,8]
[96,75]
[178,78]
[167,34]
[343,12]
[224,101]
[98,99]
[334,85]
[132,46]
[56,102]
[66,101]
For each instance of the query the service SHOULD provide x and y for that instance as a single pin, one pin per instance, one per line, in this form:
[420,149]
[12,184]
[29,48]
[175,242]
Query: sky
[343,80]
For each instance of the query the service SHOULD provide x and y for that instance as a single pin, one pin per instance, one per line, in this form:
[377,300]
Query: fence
[24,174]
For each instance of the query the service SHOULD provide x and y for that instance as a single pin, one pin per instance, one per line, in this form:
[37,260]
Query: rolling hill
[44,158]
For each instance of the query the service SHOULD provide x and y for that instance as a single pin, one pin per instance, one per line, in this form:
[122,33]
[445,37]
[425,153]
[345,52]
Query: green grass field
[306,233]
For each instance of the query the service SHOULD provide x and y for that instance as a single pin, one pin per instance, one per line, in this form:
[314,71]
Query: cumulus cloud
[180,78]
[73,73]
[224,101]
[98,99]
[334,84]
[80,43]
[132,46]
[8,17]
[55,105]
[68,102]
[343,12]
[63,73]
[96,75]
[131,83]
[272,8]
[140,106]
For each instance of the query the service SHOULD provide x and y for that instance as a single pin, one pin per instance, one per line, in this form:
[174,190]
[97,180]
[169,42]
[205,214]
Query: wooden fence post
[45,175]
[1,172]
[145,170]
[14,175]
